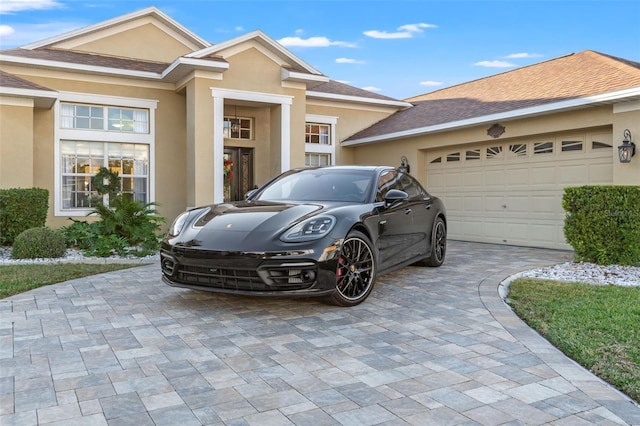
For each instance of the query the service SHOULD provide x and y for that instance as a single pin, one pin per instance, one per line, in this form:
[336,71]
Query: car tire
[356,270]
[438,245]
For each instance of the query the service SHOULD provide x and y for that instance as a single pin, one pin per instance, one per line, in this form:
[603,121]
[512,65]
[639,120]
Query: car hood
[260,216]
[244,225]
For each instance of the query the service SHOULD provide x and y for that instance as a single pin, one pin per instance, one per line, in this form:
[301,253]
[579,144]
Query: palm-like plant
[126,226]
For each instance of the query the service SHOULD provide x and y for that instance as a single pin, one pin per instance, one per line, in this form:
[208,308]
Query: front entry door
[238,173]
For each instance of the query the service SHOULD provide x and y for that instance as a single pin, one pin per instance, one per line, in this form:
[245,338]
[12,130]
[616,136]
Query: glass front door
[238,173]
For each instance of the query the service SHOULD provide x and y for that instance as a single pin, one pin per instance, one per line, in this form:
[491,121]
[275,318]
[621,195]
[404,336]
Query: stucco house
[186,122]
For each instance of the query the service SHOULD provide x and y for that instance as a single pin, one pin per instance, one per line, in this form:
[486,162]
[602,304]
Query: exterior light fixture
[235,123]
[627,149]
[404,165]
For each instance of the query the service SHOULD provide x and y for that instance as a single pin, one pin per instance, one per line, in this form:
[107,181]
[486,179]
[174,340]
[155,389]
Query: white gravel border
[73,256]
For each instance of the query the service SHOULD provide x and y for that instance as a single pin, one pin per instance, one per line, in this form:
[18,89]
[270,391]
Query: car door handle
[428,206]
[407,211]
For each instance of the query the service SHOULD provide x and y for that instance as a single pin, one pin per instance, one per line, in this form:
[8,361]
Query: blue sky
[398,48]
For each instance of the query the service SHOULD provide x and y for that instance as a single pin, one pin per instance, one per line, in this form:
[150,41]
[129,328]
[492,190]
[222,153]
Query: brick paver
[429,346]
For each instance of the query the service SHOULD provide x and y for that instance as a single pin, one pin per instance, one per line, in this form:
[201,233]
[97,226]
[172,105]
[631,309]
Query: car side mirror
[250,194]
[395,195]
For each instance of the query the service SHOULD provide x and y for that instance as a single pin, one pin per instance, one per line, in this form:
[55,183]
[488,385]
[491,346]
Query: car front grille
[235,273]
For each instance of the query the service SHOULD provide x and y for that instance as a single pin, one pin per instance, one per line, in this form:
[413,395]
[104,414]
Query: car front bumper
[296,273]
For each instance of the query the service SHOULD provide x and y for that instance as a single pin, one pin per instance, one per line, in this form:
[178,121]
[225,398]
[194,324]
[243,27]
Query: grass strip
[596,326]
[15,279]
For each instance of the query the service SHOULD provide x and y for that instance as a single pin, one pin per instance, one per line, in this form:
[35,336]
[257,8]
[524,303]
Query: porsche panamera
[325,232]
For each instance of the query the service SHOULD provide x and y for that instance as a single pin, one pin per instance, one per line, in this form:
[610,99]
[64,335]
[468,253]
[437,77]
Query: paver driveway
[430,346]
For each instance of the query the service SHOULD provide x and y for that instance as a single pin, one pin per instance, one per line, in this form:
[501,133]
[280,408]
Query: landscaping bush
[603,223]
[39,243]
[126,227]
[21,209]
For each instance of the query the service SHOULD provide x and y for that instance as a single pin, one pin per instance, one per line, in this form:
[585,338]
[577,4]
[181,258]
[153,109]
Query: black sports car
[325,231]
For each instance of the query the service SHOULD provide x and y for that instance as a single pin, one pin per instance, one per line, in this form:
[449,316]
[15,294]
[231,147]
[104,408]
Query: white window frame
[316,148]
[227,128]
[61,134]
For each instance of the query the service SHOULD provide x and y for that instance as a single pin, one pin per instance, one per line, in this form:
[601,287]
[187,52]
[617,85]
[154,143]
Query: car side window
[388,180]
[411,187]
[393,179]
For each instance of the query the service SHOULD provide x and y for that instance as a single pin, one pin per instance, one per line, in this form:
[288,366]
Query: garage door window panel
[542,148]
[472,154]
[518,150]
[571,146]
[494,152]
[454,156]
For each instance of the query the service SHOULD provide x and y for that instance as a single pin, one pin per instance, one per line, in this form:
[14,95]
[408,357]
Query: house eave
[358,99]
[311,80]
[568,105]
[182,67]
[81,68]
[41,98]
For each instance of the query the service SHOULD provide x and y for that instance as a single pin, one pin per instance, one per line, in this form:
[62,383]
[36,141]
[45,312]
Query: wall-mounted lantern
[627,149]
[404,165]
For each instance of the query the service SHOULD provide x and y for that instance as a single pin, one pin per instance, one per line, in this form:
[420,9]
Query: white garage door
[511,192]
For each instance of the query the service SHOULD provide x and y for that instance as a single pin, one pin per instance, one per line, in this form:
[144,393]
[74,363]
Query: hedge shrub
[21,209]
[603,223]
[37,243]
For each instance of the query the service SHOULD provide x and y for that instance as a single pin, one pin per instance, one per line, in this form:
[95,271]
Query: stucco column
[285,137]
[218,149]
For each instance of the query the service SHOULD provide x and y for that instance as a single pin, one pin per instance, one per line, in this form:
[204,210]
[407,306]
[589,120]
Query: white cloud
[416,28]
[523,55]
[494,64]
[344,81]
[312,42]
[349,61]
[6,30]
[21,34]
[431,83]
[372,89]
[12,6]
[404,31]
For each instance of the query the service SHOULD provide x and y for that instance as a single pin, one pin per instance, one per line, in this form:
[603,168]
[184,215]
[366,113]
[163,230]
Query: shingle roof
[577,75]
[87,59]
[13,82]
[337,88]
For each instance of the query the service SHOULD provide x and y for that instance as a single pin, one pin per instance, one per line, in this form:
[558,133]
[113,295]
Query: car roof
[351,167]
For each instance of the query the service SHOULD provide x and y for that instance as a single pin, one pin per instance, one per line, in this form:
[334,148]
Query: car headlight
[310,229]
[180,222]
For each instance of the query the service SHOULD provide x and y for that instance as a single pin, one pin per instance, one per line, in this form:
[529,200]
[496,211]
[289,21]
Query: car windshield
[320,185]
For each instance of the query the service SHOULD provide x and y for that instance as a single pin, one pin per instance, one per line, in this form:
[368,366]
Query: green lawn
[16,279]
[597,326]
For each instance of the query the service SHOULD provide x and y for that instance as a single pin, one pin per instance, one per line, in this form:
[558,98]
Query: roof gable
[572,81]
[257,39]
[576,75]
[130,36]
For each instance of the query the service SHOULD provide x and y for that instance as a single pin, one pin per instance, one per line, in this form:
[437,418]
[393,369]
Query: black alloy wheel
[356,271]
[438,243]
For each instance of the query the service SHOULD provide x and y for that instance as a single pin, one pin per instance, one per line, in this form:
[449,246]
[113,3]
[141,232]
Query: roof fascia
[151,11]
[261,38]
[357,99]
[602,99]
